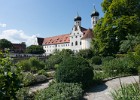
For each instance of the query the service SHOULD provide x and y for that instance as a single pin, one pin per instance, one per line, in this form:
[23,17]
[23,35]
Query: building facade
[79,38]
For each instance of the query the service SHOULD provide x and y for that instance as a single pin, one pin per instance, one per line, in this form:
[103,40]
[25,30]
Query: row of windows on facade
[62,45]
[76,43]
[59,45]
[76,36]
[58,50]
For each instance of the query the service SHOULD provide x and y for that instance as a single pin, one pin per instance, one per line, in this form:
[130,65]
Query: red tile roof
[57,39]
[19,46]
[87,34]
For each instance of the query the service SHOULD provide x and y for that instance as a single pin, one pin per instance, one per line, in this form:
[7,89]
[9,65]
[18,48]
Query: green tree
[121,18]
[57,58]
[74,70]
[87,53]
[5,44]
[10,78]
[35,49]
[130,43]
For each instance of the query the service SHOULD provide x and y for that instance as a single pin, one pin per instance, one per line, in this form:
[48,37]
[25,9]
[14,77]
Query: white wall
[94,20]
[86,43]
[51,48]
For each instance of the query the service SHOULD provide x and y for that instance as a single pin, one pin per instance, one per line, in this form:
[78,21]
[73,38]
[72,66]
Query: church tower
[77,20]
[94,17]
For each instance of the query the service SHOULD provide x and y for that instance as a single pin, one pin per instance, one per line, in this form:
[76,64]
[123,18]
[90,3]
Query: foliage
[42,72]
[120,19]
[99,76]
[5,44]
[127,92]
[66,52]
[87,53]
[28,79]
[119,66]
[40,78]
[74,70]
[10,78]
[96,60]
[35,49]
[129,44]
[23,93]
[52,61]
[106,59]
[32,64]
[31,79]
[57,58]
[137,50]
[60,91]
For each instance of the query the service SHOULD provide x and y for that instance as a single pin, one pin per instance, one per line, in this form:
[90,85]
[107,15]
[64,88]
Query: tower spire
[77,20]
[94,17]
[77,13]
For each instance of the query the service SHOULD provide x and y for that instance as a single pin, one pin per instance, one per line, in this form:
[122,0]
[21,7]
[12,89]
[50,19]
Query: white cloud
[2,25]
[17,36]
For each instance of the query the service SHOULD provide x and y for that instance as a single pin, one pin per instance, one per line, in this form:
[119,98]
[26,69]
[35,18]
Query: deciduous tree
[35,49]
[122,17]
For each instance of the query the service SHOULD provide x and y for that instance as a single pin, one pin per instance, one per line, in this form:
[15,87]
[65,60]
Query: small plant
[127,92]
[23,93]
[31,79]
[60,91]
[42,72]
[28,79]
[96,60]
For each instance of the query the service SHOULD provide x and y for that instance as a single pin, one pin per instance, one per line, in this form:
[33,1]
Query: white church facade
[79,38]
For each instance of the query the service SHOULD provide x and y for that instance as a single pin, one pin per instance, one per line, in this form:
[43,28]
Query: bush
[31,79]
[23,93]
[87,53]
[96,60]
[42,72]
[25,65]
[106,59]
[28,79]
[75,70]
[53,60]
[32,64]
[60,91]
[120,66]
[40,79]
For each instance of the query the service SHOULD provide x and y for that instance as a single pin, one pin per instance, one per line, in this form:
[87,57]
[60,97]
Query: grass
[127,92]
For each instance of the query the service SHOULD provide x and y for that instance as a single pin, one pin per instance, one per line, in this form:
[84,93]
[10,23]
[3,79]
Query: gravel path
[39,87]
[103,91]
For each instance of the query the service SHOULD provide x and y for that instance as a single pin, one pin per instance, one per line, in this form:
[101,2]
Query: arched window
[72,44]
[76,43]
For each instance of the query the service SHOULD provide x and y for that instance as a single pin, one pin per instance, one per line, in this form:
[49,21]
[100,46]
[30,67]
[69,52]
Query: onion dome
[95,13]
[77,18]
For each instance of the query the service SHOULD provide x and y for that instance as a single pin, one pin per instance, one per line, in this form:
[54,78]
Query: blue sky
[22,20]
